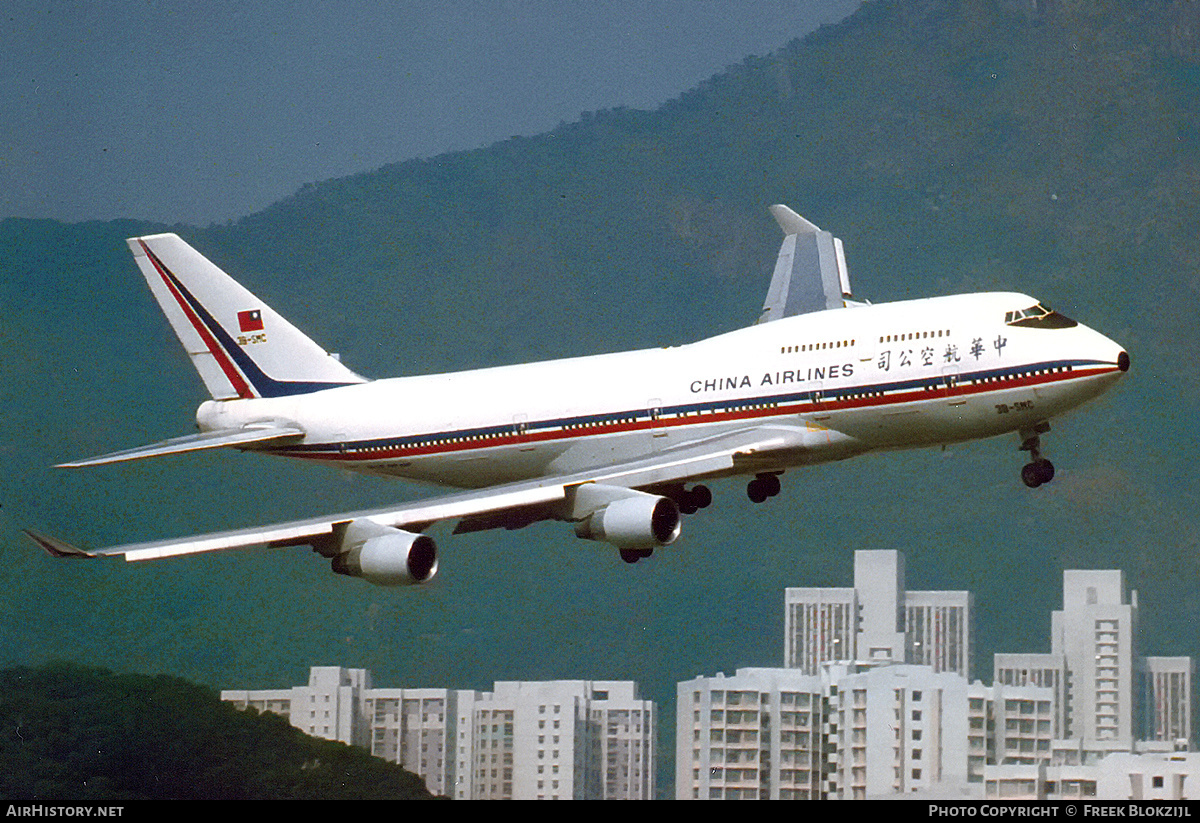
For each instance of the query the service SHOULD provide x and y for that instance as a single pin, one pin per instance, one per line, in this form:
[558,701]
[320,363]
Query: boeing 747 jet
[615,444]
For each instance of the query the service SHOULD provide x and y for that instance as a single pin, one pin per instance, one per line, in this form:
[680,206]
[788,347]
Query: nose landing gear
[1039,470]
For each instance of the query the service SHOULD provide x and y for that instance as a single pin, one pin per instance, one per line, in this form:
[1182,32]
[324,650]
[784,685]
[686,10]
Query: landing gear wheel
[1038,472]
[762,487]
[690,500]
[699,497]
[756,492]
[634,555]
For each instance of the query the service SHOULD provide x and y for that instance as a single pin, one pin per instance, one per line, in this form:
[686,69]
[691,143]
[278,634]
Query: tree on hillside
[88,735]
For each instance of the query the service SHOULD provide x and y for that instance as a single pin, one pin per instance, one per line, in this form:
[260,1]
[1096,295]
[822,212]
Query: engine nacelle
[635,521]
[385,556]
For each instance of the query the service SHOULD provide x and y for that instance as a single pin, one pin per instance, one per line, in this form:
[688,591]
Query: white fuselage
[896,375]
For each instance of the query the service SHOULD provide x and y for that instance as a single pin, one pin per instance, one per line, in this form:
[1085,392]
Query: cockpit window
[1038,317]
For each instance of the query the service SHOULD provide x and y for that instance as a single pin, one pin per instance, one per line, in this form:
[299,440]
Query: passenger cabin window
[1038,317]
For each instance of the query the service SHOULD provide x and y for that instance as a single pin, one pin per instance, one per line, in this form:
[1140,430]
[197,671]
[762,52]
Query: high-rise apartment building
[1096,633]
[760,734]
[1166,699]
[417,728]
[878,621]
[856,731]
[900,729]
[330,706]
[562,739]
[1106,695]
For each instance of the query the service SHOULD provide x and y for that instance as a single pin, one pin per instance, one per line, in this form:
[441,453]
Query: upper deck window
[1038,317]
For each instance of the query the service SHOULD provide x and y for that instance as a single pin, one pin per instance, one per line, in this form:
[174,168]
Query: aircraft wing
[194,442]
[712,456]
[810,272]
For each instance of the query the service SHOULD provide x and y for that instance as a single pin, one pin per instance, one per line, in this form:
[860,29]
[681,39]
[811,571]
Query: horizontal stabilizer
[194,442]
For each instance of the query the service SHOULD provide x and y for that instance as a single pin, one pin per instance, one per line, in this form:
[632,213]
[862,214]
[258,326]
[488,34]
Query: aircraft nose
[1123,361]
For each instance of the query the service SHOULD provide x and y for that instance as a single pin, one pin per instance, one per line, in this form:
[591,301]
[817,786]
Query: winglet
[810,272]
[56,547]
[790,222]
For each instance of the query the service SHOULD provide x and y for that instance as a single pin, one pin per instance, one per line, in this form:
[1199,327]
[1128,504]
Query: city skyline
[871,724]
[892,719]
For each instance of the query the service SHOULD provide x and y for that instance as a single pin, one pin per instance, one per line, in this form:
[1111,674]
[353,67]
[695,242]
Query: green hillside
[87,735]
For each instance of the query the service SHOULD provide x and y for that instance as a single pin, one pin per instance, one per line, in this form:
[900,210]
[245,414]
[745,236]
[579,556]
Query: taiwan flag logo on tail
[250,320]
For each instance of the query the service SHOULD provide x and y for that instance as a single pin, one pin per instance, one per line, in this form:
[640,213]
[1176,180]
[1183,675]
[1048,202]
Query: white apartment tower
[560,740]
[900,730]
[1095,632]
[412,727]
[1008,725]
[330,706]
[1045,670]
[563,739]
[1166,699]
[856,731]
[761,734]
[878,621]
[1105,695]
[416,728]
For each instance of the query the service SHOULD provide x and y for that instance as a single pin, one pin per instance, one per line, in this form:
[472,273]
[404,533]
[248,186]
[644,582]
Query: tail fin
[240,346]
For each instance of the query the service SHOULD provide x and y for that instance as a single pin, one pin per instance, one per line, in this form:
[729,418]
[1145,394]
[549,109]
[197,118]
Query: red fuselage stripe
[765,408]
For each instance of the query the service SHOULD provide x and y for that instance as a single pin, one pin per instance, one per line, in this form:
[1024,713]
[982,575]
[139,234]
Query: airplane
[614,443]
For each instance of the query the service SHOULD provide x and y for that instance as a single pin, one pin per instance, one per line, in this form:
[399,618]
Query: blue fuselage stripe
[824,400]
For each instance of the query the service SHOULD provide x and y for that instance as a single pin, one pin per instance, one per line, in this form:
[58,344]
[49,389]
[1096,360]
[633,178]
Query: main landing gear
[762,487]
[1039,470]
[694,499]
[688,500]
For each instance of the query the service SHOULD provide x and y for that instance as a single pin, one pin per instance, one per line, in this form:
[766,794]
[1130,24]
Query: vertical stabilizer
[241,347]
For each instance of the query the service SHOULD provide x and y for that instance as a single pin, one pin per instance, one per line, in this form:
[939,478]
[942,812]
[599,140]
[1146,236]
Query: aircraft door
[817,393]
[521,429]
[658,434]
[948,384]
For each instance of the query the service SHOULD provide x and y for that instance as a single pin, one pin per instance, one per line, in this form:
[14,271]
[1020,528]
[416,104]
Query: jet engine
[635,520]
[385,556]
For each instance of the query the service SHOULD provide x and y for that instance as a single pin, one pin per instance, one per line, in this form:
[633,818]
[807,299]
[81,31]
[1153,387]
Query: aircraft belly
[604,450]
[817,444]
[478,468]
[924,422]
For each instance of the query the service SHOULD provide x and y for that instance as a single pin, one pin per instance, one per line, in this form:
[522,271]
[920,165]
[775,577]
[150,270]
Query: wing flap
[194,442]
[706,457]
[299,532]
